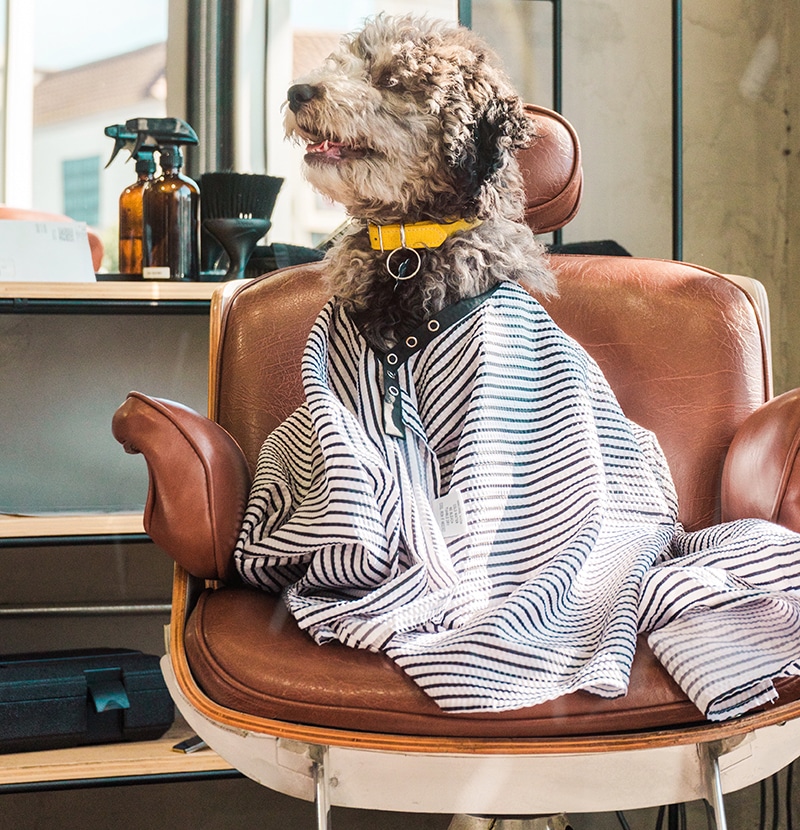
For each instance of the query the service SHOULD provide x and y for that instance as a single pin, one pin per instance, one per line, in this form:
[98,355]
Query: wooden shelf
[153,291]
[123,760]
[120,763]
[107,297]
[53,526]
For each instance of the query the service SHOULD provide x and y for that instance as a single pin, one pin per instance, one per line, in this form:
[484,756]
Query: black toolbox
[69,698]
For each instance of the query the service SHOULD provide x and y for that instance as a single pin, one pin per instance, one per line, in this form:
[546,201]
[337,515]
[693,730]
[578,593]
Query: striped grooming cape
[475,505]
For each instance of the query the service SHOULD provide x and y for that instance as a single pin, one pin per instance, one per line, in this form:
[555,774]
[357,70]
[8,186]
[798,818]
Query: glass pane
[616,70]
[97,62]
[81,180]
[302,35]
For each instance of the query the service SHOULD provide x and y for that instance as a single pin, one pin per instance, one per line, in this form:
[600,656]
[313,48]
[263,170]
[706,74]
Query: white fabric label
[450,514]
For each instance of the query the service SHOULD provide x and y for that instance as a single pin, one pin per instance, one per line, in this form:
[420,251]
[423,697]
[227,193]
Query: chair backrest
[551,172]
[682,347]
[684,351]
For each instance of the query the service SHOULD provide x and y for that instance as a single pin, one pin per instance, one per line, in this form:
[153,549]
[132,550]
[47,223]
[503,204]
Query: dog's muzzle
[300,94]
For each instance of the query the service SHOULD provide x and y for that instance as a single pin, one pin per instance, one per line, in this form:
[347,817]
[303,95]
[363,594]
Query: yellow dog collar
[415,234]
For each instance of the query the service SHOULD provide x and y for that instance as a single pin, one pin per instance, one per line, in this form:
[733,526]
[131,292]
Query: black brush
[236,210]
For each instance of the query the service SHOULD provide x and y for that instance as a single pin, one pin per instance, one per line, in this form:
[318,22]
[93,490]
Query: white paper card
[44,252]
[450,514]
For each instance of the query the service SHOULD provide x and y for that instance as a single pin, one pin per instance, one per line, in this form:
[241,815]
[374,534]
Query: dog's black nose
[300,94]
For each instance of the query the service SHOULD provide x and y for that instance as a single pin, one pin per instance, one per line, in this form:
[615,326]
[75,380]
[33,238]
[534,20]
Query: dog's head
[412,119]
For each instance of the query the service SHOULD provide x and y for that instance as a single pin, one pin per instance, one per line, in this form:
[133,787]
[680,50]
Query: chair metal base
[497,785]
[559,822]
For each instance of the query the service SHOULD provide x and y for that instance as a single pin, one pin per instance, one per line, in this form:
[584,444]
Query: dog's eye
[386,81]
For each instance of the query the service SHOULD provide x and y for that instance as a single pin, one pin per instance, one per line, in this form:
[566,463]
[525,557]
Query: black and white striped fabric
[476,506]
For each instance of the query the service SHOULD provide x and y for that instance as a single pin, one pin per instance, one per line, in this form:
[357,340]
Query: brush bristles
[238,195]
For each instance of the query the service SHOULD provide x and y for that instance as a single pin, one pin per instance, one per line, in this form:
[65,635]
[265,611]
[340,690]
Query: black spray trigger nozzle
[161,131]
[123,139]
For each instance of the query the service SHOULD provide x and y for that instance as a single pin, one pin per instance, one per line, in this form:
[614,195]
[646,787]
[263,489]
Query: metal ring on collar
[407,276]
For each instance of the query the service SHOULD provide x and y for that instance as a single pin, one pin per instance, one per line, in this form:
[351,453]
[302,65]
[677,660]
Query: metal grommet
[411,342]
[393,391]
[391,359]
[433,325]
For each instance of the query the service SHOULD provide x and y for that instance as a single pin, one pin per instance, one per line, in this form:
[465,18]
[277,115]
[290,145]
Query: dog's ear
[501,129]
[483,151]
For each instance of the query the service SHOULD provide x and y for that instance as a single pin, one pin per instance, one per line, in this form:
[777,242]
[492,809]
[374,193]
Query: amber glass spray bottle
[142,149]
[170,204]
[131,214]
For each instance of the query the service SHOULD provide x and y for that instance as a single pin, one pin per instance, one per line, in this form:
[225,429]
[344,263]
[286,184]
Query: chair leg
[717,801]
[321,792]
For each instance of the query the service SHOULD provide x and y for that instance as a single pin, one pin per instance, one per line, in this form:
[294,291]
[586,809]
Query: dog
[413,120]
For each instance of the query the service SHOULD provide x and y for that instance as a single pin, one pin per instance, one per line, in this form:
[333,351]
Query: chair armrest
[199,482]
[761,476]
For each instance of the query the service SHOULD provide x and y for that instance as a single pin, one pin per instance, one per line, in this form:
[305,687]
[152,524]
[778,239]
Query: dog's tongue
[331,149]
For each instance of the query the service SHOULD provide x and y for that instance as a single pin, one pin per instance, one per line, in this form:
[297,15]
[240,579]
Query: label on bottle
[155,272]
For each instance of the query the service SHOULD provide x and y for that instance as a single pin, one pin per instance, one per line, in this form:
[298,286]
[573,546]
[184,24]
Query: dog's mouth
[329,151]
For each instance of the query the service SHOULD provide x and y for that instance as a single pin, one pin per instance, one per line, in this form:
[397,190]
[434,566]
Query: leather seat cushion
[248,654]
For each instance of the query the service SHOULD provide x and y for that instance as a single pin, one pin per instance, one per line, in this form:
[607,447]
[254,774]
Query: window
[81,178]
[228,75]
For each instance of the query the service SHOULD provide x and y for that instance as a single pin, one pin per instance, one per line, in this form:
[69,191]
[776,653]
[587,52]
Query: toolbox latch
[106,689]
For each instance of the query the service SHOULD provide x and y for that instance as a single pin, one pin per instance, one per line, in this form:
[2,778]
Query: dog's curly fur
[421,124]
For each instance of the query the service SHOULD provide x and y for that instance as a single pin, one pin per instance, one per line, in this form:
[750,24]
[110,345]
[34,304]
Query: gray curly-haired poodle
[412,125]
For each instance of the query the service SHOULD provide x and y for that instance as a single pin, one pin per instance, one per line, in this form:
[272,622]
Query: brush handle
[210,251]
[239,238]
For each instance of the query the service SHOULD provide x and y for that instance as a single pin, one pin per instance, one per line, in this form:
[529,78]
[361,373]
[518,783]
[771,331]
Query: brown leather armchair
[686,353]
